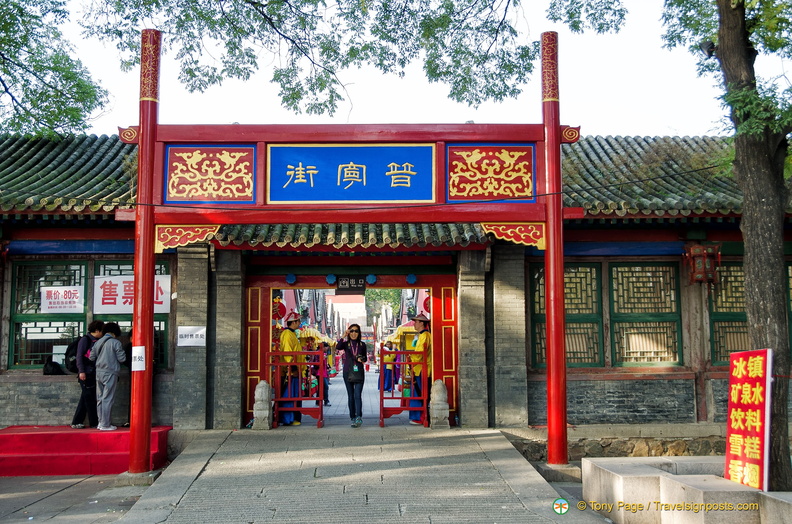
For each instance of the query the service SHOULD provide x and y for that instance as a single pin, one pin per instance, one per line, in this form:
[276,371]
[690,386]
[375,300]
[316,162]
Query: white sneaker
[107,428]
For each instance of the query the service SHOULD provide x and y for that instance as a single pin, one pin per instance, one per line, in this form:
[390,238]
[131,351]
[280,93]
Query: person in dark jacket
[355,355]
[86,376]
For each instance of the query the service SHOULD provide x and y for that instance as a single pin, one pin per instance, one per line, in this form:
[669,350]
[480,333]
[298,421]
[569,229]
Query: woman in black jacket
[354,358]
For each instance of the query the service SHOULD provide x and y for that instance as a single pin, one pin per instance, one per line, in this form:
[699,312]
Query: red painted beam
[444,213]
[350,215]
[345,133]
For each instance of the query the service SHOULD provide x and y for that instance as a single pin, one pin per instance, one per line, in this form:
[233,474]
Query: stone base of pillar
[438,407]
[262,406]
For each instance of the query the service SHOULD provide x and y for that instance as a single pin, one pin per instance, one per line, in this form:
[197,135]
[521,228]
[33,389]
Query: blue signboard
[350,173]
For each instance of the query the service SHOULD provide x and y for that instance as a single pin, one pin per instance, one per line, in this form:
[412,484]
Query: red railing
[311,372]
[400,397]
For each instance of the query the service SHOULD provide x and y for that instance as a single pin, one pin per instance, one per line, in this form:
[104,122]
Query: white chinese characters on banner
[62,299]
[116,294]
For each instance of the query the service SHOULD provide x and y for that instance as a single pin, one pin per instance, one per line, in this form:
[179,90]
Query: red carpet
[61,450]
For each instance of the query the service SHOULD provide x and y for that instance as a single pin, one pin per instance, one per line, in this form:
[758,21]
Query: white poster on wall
[62,299]
[116,294]
[138,358]
[192,336]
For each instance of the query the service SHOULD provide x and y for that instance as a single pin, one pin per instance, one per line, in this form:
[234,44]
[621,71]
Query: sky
[625,84]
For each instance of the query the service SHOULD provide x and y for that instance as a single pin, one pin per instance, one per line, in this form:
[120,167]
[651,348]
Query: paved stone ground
[307,474]
[303,474]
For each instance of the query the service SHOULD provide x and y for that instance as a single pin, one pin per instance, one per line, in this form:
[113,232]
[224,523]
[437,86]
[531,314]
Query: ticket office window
[51,306]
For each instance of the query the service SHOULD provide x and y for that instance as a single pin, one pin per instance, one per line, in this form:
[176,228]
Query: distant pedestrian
[354,355]
[86,376]
[422,350]
[108,353]
[291,374]
[388,359]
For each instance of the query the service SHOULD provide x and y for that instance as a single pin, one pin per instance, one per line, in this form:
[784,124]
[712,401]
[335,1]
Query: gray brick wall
[229,325]
[720,396]
[473,395]
[619,401]
[510,388]
[189,384]
[30,399]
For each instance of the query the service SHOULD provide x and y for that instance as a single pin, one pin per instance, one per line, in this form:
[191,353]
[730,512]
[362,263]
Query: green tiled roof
[83,174]
[352,235]
[644,176]
[607,176]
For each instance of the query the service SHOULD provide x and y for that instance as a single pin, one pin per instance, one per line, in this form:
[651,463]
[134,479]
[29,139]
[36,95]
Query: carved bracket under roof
[523,233]
[175,236]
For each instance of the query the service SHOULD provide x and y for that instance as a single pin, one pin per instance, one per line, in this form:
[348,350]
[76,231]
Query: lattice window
[645,341]
[645,317]
[644,289]
[122,269]
[729,295]
[728,323]
[30,278]
[106,269]
[34,342]
[583,336]
[728,337]
[35,336]
[582,340]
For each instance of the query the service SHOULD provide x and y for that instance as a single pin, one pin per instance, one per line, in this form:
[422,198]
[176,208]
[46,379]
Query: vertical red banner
[748,420]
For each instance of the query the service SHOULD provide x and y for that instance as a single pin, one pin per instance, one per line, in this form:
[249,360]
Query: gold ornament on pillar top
[550,67]
[490,172]
[150,65]
[523,233]
[176,236]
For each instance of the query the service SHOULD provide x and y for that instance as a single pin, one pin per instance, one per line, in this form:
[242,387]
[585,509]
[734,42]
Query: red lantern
[704,262]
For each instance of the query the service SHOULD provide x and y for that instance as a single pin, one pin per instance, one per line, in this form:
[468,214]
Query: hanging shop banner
[62,299]
[350,173]
[116,294]
[748,419]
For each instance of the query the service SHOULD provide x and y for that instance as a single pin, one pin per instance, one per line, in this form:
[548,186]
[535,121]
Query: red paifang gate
[191,179]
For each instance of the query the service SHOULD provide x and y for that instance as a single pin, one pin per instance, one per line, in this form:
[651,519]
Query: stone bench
[672,490]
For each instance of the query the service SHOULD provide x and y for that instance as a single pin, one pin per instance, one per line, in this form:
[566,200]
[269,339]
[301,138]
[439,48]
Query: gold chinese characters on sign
[490,172]
[210,174]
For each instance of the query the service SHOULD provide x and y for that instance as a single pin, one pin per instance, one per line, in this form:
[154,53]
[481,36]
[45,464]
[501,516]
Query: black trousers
[87,403]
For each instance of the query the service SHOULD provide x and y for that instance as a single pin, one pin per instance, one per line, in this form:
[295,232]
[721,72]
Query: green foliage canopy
[472,46]
[43,89]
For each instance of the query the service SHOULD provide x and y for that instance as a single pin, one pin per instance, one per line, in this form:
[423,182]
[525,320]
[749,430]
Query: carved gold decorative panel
[486,172]
[203,174]
[175,236]
[526,234]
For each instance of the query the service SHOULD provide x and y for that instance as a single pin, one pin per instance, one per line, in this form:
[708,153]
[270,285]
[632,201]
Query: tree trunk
[759,170]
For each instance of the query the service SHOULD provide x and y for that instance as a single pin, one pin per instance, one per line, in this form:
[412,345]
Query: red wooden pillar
[554,258]
[143,314]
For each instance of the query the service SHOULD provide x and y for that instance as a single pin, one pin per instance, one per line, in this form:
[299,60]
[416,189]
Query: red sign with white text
[116,294]
[748,420]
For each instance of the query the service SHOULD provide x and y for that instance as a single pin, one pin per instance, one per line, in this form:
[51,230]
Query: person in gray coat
[108,353]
